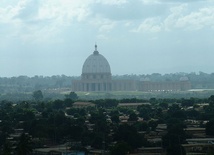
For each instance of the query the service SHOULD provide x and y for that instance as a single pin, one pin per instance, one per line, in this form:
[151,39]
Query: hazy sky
[54,37]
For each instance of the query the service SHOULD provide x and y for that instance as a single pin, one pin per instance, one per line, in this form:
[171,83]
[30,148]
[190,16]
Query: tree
[129,135]
[210,128]
[175,137]
[211,100]
[193,114]
[24,146]
[57,104]
[145,111]
[176,112]
[121,148]
[176,150]
[152,124]
[97,140]
[68,102]
[163,105]
[7,148]
[115,118]
[133,117]
[106,103]
[71,95]
[37,95]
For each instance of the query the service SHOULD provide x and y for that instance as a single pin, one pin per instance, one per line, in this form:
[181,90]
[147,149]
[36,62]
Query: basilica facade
[96,77]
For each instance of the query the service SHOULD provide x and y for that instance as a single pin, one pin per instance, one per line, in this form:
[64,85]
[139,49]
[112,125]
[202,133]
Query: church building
[96,74]
[96,77]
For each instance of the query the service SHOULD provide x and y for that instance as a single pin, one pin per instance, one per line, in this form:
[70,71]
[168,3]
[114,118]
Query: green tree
[120,148]
[163,105]
[133,117]
[7,148]
[58,104]
[68,102]
[71,95]
[210,128]
[145,111]
[24,146]
[37,95]
[106,103]
[175,137]
[176,112]
[115,118]
[142,126]
[129,135]
[211,100]
[152,124]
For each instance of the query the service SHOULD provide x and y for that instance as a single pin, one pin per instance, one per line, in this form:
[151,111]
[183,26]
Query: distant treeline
[29,84]
[199,80]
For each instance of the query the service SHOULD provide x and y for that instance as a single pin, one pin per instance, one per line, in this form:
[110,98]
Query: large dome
[96,63]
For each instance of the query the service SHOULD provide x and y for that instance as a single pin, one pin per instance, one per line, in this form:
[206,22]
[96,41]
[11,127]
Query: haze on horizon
[54,37]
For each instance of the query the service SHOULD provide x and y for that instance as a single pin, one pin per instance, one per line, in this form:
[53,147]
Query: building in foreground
[96,77]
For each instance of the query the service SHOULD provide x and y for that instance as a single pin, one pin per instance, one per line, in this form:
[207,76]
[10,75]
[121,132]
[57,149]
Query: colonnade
[88,86]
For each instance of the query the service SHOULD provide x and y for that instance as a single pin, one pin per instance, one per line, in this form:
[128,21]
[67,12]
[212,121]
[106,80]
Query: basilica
[96,77]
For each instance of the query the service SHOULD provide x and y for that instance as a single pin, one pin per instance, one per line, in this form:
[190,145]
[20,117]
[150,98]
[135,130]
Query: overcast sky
[54,37]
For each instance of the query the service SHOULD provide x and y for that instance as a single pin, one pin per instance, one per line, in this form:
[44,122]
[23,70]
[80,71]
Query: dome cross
[95,51]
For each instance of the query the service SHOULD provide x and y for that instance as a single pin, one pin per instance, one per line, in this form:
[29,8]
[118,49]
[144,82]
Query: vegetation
[40,123]
[56,87]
